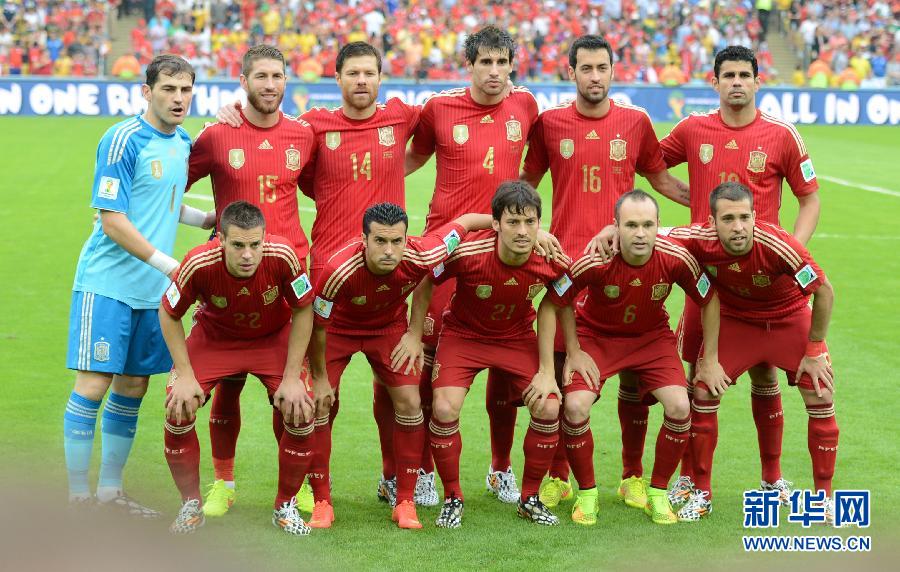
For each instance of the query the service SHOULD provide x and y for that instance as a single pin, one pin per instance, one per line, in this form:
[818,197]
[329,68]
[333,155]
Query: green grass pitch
[45,173]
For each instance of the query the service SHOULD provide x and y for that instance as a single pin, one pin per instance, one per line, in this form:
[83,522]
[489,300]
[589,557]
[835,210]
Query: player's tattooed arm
[605,245]
[409,353]
[292,397]
[230,114]
[817,363]
[807,217]
[185,395]
[670,187]
[709,370]
[321,386]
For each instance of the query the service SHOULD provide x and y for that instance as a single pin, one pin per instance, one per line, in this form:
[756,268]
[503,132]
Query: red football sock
[446,447]
[277,424]
[670,444]
[295,453]
[541,441]
[409,434]
[319,469]
[383,409]
[502,421]
[559,467]
[704,436]
[633,421]
[579,446]
[769,418]
[822,439]
[183,455]
[426,395]
[687,458]
[225,424]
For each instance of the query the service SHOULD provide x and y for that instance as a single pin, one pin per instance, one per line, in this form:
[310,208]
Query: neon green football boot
[586,507]
[219,499]
[554,491]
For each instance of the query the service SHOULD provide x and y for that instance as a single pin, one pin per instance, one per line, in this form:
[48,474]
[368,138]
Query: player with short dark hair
[593,147]
[478,134]
[255,316]
[490,325]
[622,324]
[764,277]
[360,306]
[123,269]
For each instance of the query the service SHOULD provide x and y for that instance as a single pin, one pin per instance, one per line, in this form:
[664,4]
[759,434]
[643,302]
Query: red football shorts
[652,357]
[690,332]
[781,343]
[377,349]
[434,319]
[459,360]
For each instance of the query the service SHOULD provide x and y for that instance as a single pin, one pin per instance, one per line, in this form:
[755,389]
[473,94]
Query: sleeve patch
[108,188]
[703,285]
[452,240]
[438,270]
[173,295]
[301,285]
[562,284]
[806,167]
[806,276]
[322,307]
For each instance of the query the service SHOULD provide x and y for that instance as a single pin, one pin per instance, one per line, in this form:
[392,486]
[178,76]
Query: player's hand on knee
[184,398]
[230,114]
[819,370]
[549,247]
[582,363]
[713,375]
[605,245]
[542,386]
[409,351]
[323,395]
[290,399]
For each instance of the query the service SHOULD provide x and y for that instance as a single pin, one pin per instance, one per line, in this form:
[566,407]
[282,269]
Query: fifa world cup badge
[333,139]
[460,133]
[483,291]
[236,158]
[566,148]
[706,153]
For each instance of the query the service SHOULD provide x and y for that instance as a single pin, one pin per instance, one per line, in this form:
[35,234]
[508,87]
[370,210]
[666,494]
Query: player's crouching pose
[765,278]
[361,307]
[255,316]
[623,325]
[489,325]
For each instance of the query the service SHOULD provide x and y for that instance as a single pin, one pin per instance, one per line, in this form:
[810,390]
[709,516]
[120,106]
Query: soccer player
[255,316]
[478,134]
[360,306]
[123,269]
[623,324]
[740,143]
[489,324]
[764,277]
[593,146]
[359,163]
[259,162]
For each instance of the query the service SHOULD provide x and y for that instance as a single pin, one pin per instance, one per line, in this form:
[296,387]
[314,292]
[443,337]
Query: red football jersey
[626,300]
[477,146]
[359,163]
[257,165]
[759,155]
[354,301]
[240,308]
[494,300]
[592,162]
[771,281]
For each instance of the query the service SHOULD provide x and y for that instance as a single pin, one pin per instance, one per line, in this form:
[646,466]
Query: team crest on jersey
[706,153]
[513,130]
[534,290]
[659,291]
[156,169]
[757,163]
[483,291]
[617,149]
[566,148]
[333,139]
[460,133]
[611,291]
[386,136]
[236,158]
[101,351]
[359,300]
[270,295]
[292,159]
[218,301]
[761,280]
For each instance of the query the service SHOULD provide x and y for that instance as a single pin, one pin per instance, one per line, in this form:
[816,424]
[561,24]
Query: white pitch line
[856,236]
[209,199]
[870,188]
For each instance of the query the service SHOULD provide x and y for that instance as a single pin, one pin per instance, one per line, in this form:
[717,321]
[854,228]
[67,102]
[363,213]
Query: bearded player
[255,316]
[478,135]
[593,146]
